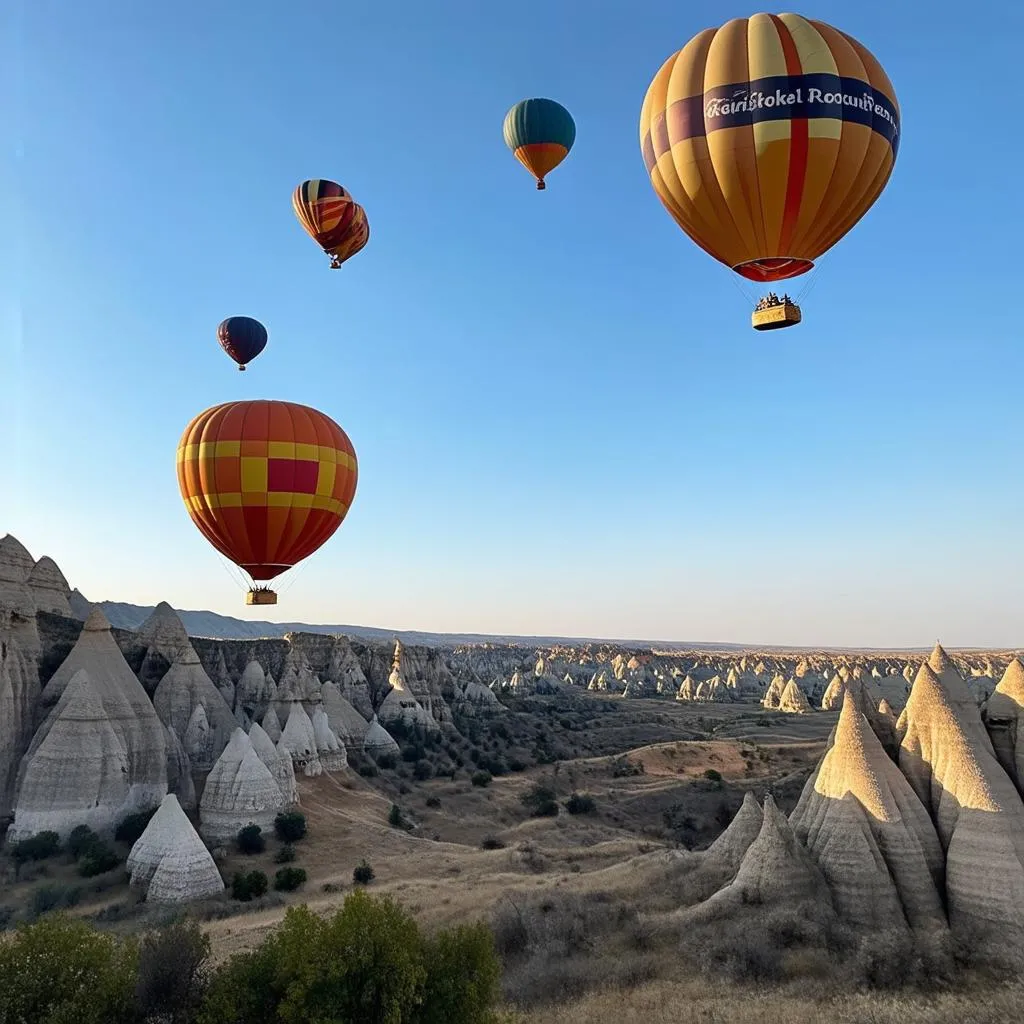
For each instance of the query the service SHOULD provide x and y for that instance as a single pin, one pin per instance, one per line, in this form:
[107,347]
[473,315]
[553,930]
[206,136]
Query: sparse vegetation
[581,803]
[363,873]
[248,886]
[290,826]
[289,879]
[250,840]
[132,826]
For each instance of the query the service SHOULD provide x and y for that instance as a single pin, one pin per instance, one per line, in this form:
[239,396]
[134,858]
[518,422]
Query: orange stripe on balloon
[799,146]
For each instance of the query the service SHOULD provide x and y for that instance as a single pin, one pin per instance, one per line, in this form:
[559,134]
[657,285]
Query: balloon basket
[785,314]
[261,595]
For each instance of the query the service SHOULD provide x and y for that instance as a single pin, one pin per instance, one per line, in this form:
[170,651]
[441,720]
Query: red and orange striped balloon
[267,483]
[332,218]
[767,139]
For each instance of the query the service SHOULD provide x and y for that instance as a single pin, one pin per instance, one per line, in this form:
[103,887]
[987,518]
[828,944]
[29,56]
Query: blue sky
[564,422]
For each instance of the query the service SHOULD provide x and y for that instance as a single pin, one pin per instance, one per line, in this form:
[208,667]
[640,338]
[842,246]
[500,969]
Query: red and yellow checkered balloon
[266,482]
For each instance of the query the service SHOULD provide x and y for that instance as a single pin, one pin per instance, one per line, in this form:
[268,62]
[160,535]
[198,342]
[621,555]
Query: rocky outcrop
[279,763]
[239,791]
[1002,715]
[773,695]
[19,698]
[345,721]
[329,748]
[948,759]
[793,700]
[272,725]
[170,860]
[402,707]
[869,833]
[185,688]
[179,770]
[378,741]
[78,774]
[254,690]
[49,589]
[728,850]
[299,739]
[127,707]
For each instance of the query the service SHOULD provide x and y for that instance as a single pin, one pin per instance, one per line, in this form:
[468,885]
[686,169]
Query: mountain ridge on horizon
[214,625]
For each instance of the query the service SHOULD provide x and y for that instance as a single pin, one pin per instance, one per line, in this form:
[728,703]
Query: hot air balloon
[266,483]
[242,338]
[332,218]
[766,140]
[540,133]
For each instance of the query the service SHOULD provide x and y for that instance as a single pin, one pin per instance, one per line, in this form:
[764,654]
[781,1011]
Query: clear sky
[564,422]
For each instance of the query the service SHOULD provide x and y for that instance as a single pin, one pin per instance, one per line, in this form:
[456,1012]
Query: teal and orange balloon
[540,134]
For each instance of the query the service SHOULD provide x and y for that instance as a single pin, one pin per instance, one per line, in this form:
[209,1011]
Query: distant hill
[225,627]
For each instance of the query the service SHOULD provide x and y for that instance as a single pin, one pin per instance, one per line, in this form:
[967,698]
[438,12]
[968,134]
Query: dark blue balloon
[242,338]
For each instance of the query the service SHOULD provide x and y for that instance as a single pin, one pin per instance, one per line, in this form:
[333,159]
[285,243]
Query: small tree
[581,803]
[481,778]
[289,879]
[80,840]
[60,969]
[290,826]
[395,819]
[285,855]
[131,827]
[250,840]
[363,874]
[540,801]
[246,887]
[100,857]
[171,978]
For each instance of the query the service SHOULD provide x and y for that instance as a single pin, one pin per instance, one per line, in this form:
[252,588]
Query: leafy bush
[433,801]
[422,770]
[386,761]
[581,803]
[171,978]
[492,843]
[246,887]
[289,879]
[37,847]
[98,858]
[61,970]
[132,826]
[369,770]
[540,801]
[481,778]
[285,855]
[80,840]
[369,962]
[250,839]
[363,873]
[395,819]
[712,775]
[290,826]
[53,897]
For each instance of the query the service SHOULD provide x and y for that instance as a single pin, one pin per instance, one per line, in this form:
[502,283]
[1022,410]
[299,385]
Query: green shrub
[53,897]
[386,761]
[395,819]
[289,879]
[433,801]
[246,887]
[285,855]
[369,770]
[363,873]
[80,840]
[481,778]
[581,803]
[290,826]
[422,770]
[492,843]
[132,826]
[712,775]
[38,847]
[172,973]
[100,857]
[61,970]
[250,840]
[367,963]
[540,801]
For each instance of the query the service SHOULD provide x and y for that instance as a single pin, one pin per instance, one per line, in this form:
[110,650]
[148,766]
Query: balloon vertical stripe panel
[267,483]
[768,139]
[540,133]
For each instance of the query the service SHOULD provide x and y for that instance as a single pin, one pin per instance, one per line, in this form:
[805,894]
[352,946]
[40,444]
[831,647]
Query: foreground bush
[61,971]
[171,978]
[368,963]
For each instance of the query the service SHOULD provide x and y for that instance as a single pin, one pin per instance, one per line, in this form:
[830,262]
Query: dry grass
[698,1002]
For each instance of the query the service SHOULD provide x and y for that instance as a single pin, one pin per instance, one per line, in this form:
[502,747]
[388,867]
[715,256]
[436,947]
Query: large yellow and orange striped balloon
[266,483]
[767,139]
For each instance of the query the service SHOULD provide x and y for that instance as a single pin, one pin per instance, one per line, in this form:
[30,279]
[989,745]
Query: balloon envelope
[267,483]
[332,218]
[243,338]
[540,133]
[767,139]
